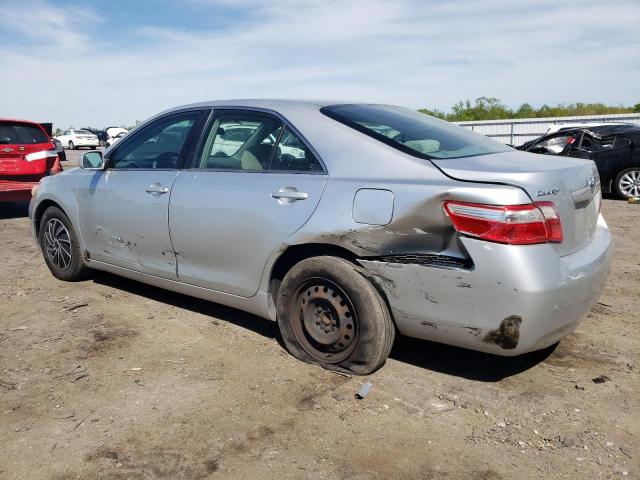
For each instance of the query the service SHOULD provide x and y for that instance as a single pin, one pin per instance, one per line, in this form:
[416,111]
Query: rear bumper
[515,300]
[86,143]
[15,191]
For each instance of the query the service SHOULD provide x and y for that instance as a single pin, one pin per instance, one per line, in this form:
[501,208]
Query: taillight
[512,224]
[554,227]
[56,167]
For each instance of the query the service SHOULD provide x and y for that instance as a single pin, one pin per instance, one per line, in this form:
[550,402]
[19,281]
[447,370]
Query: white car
[113,133]
[111,140]
[73,139]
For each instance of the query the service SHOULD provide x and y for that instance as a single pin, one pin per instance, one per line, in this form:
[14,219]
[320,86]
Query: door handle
[156,189]
[289,195]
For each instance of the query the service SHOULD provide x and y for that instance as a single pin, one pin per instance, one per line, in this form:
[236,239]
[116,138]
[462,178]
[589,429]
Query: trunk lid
[12,159]
[573,185]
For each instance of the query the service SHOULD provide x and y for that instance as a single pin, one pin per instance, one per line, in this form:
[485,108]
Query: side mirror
[92,160]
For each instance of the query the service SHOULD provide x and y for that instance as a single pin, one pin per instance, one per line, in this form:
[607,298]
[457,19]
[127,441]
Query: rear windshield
[21,133]
[84,132]
[413,132]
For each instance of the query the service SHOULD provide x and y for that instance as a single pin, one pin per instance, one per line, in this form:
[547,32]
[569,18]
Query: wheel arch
[39,211]
[294,254]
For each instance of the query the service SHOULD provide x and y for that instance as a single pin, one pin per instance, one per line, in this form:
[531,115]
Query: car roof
[606,129]
[326,136]
[588,125]
[282,106]
[17,120]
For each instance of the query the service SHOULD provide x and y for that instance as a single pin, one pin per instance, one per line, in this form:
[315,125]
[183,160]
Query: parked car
[615,149]
[102,135]
[112,133]
[75,138]
[114,139]
[26,155]
[431,230]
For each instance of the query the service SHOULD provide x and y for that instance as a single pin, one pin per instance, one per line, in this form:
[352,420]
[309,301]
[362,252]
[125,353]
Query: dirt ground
[108,379]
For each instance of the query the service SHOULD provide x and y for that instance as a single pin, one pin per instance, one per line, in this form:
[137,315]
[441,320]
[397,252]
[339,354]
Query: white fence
[518,131]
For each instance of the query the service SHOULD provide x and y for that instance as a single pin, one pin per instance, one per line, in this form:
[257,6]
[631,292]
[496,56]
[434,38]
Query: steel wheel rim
[630,183]
[57,244]
[324,320]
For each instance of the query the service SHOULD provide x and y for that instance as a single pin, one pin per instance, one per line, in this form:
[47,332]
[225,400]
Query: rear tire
[330,314]
[627,183]
[60,246]
[71,145]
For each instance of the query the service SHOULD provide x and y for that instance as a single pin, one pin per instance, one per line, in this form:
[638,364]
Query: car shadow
[14,210]
[461,362]
[243,319]
[437,357]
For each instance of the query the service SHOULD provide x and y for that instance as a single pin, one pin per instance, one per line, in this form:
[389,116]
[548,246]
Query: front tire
[60,247]
[71,145]
[330,314]
[627,183]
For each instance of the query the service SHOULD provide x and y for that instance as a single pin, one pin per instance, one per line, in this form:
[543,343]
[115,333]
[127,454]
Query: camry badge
[549,191]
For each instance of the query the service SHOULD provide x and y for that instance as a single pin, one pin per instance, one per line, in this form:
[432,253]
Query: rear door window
[21,133]
[292,155]
[240,140]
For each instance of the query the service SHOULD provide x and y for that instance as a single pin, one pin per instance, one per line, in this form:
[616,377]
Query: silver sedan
[345,223]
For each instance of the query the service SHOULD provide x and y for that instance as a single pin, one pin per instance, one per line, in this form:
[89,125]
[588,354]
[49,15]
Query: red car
[27,154]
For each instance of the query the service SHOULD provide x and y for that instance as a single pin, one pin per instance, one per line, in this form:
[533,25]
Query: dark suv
[614,148]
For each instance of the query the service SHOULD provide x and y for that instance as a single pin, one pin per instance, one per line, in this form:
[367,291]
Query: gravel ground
[109,378]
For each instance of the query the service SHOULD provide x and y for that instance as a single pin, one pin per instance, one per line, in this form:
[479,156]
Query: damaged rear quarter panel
[418,225]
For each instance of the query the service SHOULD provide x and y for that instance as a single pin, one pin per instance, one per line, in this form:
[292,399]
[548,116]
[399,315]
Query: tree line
[489,108]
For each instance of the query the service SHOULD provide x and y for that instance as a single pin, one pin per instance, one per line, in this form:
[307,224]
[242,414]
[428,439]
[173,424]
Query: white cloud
[408,52]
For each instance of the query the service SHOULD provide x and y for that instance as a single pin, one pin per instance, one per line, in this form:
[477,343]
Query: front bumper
[515,299]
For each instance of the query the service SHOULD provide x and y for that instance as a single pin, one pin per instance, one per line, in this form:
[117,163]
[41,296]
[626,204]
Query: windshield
[412,132]
[84,132]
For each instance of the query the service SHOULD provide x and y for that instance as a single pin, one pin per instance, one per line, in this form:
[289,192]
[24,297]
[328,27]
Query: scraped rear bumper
[514,300]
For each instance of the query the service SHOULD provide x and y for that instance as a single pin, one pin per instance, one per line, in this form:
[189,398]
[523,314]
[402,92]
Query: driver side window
[292,155]
[158,145]
[553,145]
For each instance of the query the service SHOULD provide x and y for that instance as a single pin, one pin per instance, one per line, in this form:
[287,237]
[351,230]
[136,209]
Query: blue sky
[100,63]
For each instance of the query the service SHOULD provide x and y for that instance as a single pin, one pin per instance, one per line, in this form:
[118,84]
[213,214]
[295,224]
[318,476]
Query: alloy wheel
[629,183]
[57,243]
